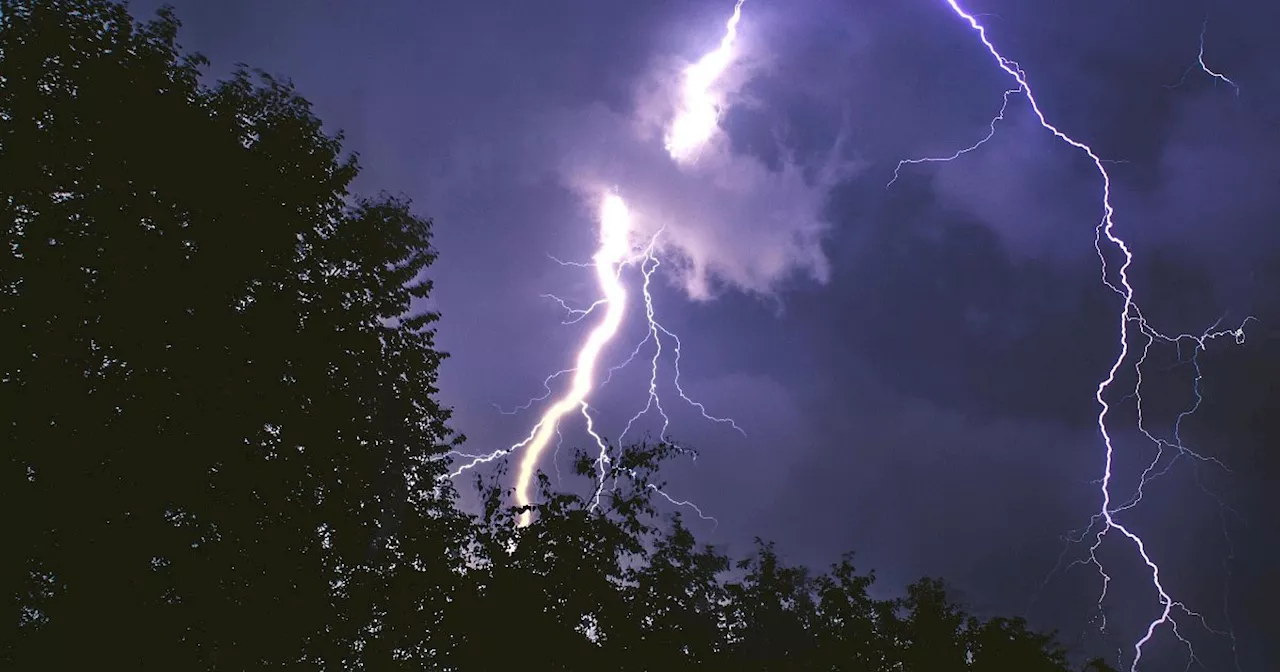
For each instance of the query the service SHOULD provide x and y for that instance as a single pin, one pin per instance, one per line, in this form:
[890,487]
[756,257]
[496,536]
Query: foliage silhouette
[215,412]
[223,445]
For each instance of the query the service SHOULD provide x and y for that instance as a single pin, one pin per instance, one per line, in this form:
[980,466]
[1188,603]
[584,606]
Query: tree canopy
[223,447]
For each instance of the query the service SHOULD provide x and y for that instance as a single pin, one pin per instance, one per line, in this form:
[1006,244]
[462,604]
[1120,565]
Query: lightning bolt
[695,123]
[699,115]
[1130,319]
[655,333]
[1204,67]
[991,132]
[608,261]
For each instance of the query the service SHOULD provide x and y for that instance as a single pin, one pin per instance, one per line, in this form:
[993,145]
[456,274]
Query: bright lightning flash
[694,125]
[699,113]
[1130,319]
[614,252]
[615,247]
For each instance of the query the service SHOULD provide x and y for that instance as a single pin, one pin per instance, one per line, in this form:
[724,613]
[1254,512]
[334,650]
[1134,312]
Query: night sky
[913,366]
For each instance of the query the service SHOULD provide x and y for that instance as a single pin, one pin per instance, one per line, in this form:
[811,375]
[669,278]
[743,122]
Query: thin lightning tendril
[991,131]
[577,264]
[655,333]
[1204,67]
[546,386]
[653,400]
[555,457]
[1130,319]
[576,315]
[692,128]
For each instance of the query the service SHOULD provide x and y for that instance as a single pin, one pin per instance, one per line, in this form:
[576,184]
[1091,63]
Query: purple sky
[914,366]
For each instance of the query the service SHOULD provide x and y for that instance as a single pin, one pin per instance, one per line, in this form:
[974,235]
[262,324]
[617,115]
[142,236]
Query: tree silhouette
[848,636]
[223,448]
[675,605]
[770,613]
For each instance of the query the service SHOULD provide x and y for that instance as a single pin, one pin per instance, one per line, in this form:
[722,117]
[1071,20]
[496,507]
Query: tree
[849,636]
[932,633]
[1006,644]
[223,448]
[676,605]
[772,614]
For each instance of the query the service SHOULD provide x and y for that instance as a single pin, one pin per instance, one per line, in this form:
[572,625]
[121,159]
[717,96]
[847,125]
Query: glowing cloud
[729,219]
[699,113]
